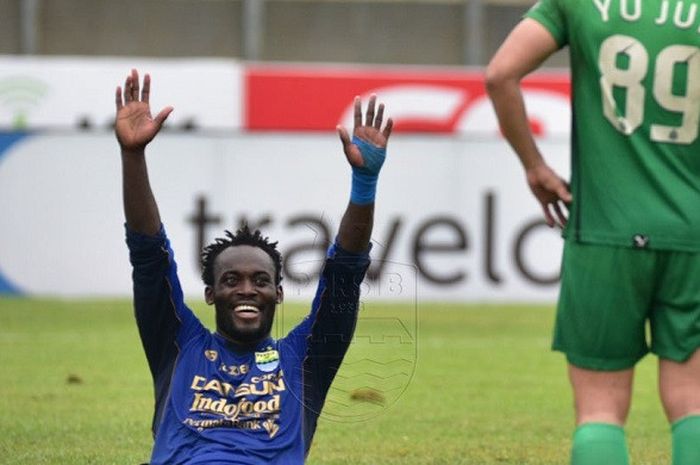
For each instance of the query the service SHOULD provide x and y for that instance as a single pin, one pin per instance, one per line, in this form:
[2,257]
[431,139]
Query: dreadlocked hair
[244,236]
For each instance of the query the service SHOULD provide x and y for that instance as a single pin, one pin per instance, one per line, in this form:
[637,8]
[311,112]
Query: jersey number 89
[630,79]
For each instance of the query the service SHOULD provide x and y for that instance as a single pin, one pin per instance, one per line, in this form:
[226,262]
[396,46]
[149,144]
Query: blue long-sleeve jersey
[215,404]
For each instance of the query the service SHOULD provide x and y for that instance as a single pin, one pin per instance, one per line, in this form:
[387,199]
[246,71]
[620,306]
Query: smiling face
[244,294]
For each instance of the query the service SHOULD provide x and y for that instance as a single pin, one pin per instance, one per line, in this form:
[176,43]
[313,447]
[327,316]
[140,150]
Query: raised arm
[328,330]
[135,128]
[525,48]
[365,152]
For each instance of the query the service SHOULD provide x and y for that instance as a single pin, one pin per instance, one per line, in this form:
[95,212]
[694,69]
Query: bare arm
[525,48]
[135,128]
[356,226]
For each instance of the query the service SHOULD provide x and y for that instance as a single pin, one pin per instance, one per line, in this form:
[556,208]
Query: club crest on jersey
[268,360]
[211,355]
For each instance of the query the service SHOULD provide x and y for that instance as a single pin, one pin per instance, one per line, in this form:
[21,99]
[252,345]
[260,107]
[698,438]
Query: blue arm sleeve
[162,317]
[329,328]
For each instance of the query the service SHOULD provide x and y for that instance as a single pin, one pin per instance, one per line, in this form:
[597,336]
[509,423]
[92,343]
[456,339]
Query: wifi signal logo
[19,95]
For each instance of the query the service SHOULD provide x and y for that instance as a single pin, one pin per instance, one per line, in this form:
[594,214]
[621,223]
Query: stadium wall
[256,143]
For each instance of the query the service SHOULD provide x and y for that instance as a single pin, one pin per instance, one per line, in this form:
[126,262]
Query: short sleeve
[551,15]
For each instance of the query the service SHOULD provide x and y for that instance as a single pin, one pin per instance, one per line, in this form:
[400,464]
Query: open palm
[371,131]
[135,127]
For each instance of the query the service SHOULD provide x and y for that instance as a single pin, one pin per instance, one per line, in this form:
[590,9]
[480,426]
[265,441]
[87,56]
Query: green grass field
[477,384]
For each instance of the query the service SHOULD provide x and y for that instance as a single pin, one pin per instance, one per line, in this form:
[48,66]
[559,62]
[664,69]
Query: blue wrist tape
[364,179]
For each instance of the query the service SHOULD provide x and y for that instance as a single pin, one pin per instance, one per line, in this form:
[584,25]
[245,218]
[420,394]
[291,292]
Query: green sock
[685,435]
[599,444]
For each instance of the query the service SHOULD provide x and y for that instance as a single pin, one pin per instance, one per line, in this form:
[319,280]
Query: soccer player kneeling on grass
[237,395]
[632,233]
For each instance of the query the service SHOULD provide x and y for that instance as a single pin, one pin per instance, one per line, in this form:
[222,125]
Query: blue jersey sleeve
[164,322]
[326,333]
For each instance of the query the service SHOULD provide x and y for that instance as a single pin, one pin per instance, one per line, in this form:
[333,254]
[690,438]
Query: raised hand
[552,192]
[370,132]
[366,151]
[134,126]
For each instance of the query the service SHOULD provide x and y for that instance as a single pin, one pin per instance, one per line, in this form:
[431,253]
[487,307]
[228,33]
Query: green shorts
[609,293]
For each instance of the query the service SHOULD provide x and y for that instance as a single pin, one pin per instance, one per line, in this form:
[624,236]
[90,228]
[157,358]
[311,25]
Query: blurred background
[419,32]
[258,87]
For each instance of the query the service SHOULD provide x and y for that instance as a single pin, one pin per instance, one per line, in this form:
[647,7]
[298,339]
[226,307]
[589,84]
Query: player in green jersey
[631,214]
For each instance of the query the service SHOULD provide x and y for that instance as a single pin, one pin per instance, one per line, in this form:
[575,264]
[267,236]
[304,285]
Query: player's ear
[209,295]
[280,294]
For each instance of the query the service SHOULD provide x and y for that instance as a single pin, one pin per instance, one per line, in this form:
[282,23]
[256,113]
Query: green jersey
[635,168]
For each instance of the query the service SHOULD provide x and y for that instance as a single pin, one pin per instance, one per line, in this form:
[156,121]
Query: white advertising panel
[454,219]
[78,93]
